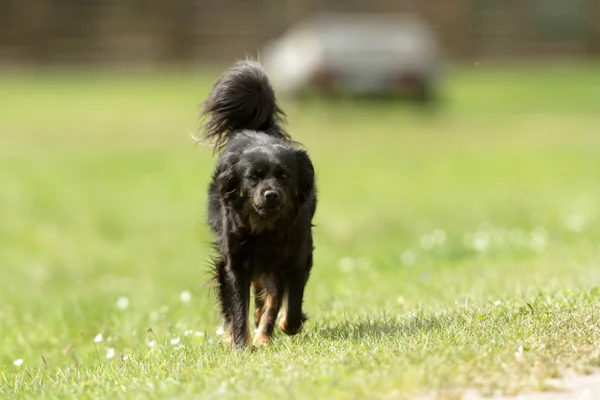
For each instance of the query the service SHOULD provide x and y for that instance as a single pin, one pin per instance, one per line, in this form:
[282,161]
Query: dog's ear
[306,176]
[227,178]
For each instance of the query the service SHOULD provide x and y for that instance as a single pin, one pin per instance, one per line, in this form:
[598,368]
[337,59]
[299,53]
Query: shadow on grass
[363,328]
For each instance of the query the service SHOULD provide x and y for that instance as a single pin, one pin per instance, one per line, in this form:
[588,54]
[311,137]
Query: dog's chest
[265,252]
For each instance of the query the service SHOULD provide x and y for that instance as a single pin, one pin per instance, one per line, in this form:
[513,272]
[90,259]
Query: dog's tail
[241,99]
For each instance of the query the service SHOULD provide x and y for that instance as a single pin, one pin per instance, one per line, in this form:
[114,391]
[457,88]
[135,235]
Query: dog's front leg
[269,299]
[238,289]
[293,318]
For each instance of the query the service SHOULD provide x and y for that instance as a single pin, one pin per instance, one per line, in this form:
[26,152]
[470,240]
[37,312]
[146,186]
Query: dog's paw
[261,340]
[289,328]
[242,345]
[227,339]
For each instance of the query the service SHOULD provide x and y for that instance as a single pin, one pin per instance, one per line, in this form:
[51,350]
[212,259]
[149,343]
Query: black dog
[261,202]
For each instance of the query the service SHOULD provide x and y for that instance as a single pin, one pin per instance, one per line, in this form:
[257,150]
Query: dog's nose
[271,195]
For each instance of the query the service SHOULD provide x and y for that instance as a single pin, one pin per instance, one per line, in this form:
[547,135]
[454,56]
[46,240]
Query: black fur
[261,202]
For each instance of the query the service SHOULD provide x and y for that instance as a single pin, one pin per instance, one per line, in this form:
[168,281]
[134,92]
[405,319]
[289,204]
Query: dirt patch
[571,386]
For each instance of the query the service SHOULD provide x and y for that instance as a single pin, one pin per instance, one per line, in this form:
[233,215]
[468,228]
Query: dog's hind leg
[270,301]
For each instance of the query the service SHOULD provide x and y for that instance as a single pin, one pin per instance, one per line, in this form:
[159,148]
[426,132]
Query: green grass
[102,196]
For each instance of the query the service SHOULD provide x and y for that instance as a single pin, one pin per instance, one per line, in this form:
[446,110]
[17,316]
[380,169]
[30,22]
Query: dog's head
[264,184]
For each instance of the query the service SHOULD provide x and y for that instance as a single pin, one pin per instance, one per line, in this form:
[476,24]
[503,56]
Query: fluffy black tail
[241,99]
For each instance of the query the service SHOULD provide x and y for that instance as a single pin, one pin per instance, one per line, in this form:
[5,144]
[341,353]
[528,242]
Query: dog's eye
[283,176]
[253,177]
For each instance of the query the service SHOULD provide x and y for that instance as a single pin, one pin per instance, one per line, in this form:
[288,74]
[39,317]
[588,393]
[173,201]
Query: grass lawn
[455,250]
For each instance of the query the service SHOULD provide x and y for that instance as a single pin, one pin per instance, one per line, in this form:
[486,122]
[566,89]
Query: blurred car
[356,54]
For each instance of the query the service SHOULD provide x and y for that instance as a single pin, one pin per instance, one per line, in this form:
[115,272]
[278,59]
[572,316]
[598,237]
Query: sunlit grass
[454,250]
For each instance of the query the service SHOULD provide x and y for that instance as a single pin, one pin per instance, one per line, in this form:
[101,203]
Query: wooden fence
[150,31]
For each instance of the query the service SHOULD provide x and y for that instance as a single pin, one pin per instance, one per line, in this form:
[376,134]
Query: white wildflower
[481,242]
[123,302]
[497,303]
[427,242]
[175,340]
[220,331]
[519,352]
[408,257]
[98,338]
[18,362]
[199,334]
[110,353]
[185,296]
[152,343]
[576,222]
